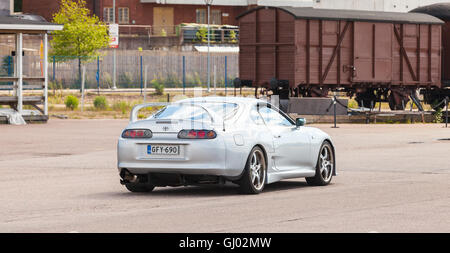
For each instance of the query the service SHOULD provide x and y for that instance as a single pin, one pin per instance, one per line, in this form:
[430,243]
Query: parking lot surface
[62,177]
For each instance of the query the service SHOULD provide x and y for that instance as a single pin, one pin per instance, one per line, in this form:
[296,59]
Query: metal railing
[148,30]
[216,35]
[135,30]
[193,33]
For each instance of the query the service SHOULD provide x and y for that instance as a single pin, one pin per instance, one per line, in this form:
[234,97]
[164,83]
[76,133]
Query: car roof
[238,100]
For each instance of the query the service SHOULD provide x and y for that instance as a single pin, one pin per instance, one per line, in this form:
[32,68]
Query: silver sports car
[217,139]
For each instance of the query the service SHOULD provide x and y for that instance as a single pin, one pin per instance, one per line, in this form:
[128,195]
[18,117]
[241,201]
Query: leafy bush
[194,80]
[172,80]
[56,85]
[438,116]
[126,79]
[159,87]
[121,106]
[353,104]
[233,37]
[100,103]
[202,34]
[52,86]
[106,79]
[71,102]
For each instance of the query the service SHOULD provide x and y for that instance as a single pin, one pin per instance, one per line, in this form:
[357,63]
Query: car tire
[139,187]
[253,179]
[325,166]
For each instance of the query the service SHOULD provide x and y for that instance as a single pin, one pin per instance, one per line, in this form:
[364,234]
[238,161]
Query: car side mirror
[299,122]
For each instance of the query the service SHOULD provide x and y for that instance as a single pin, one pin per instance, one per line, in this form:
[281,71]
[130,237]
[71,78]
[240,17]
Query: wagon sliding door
[267,46]
[372,52]
[416,53]
[324,52]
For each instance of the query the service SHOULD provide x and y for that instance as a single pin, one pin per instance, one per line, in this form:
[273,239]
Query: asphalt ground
[62,177]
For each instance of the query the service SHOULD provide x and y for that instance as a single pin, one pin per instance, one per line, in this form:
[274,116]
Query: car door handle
[277,136]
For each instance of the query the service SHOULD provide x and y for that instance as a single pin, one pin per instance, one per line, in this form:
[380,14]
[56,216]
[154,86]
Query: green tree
[83,34]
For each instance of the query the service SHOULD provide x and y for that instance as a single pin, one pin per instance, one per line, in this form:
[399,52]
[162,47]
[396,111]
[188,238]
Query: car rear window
[223,110]
[196,111]
[182,111]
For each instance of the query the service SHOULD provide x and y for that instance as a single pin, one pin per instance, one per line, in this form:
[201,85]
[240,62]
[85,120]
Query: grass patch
[121,106]
[118,105]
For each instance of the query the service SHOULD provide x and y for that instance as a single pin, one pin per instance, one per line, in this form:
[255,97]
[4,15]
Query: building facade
[173,12]
[161,12]
[375,5]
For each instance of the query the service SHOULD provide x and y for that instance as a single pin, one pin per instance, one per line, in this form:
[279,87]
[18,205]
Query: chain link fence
[172,69]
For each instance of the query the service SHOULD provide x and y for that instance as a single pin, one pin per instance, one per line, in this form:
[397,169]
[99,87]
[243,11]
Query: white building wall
[375,5]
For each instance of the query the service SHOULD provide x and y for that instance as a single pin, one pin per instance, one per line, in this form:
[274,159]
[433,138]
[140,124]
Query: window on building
[216,17]
[17,5]
[124,15]
[201,16]
[108,14]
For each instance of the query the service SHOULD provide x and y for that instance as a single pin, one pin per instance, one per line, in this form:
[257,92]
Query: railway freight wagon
[441,11]
[374,56]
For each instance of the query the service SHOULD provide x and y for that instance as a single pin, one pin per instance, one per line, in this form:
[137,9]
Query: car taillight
[137,133]
[197,134]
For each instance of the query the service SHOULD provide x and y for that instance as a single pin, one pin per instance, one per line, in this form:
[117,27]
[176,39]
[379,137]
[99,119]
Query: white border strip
[31,27]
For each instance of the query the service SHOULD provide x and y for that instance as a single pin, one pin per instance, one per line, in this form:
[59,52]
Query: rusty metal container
[339,49]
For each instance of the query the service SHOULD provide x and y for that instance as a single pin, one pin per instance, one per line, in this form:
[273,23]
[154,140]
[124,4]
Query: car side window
[256,117]
[273,118]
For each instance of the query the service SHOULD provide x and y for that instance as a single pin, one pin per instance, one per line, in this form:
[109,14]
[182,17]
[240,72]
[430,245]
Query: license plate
[163,150]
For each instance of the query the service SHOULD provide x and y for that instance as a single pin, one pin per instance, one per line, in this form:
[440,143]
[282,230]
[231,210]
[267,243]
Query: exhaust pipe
[128,177]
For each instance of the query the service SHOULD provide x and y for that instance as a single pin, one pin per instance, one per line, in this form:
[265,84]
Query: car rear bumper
[198,157]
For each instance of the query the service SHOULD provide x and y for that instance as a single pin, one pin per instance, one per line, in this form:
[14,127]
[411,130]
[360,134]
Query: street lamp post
[114,51]
[209,3]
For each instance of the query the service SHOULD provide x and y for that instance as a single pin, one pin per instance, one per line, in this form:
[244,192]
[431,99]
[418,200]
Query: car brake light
[137,133]
[197,134]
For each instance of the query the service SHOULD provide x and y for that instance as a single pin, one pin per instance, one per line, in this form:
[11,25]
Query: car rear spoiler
[137,108]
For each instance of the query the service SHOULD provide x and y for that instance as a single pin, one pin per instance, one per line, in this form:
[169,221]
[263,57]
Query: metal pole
[184,74]
[145,83]
[142,84]
[334,111]
[9,65]
[334,108]
[98,75]
[114,50]
[45,74]
[19,62]
[82,87]
[209,44]
[215,79]
[226,70]
[54,68]
[446,112]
